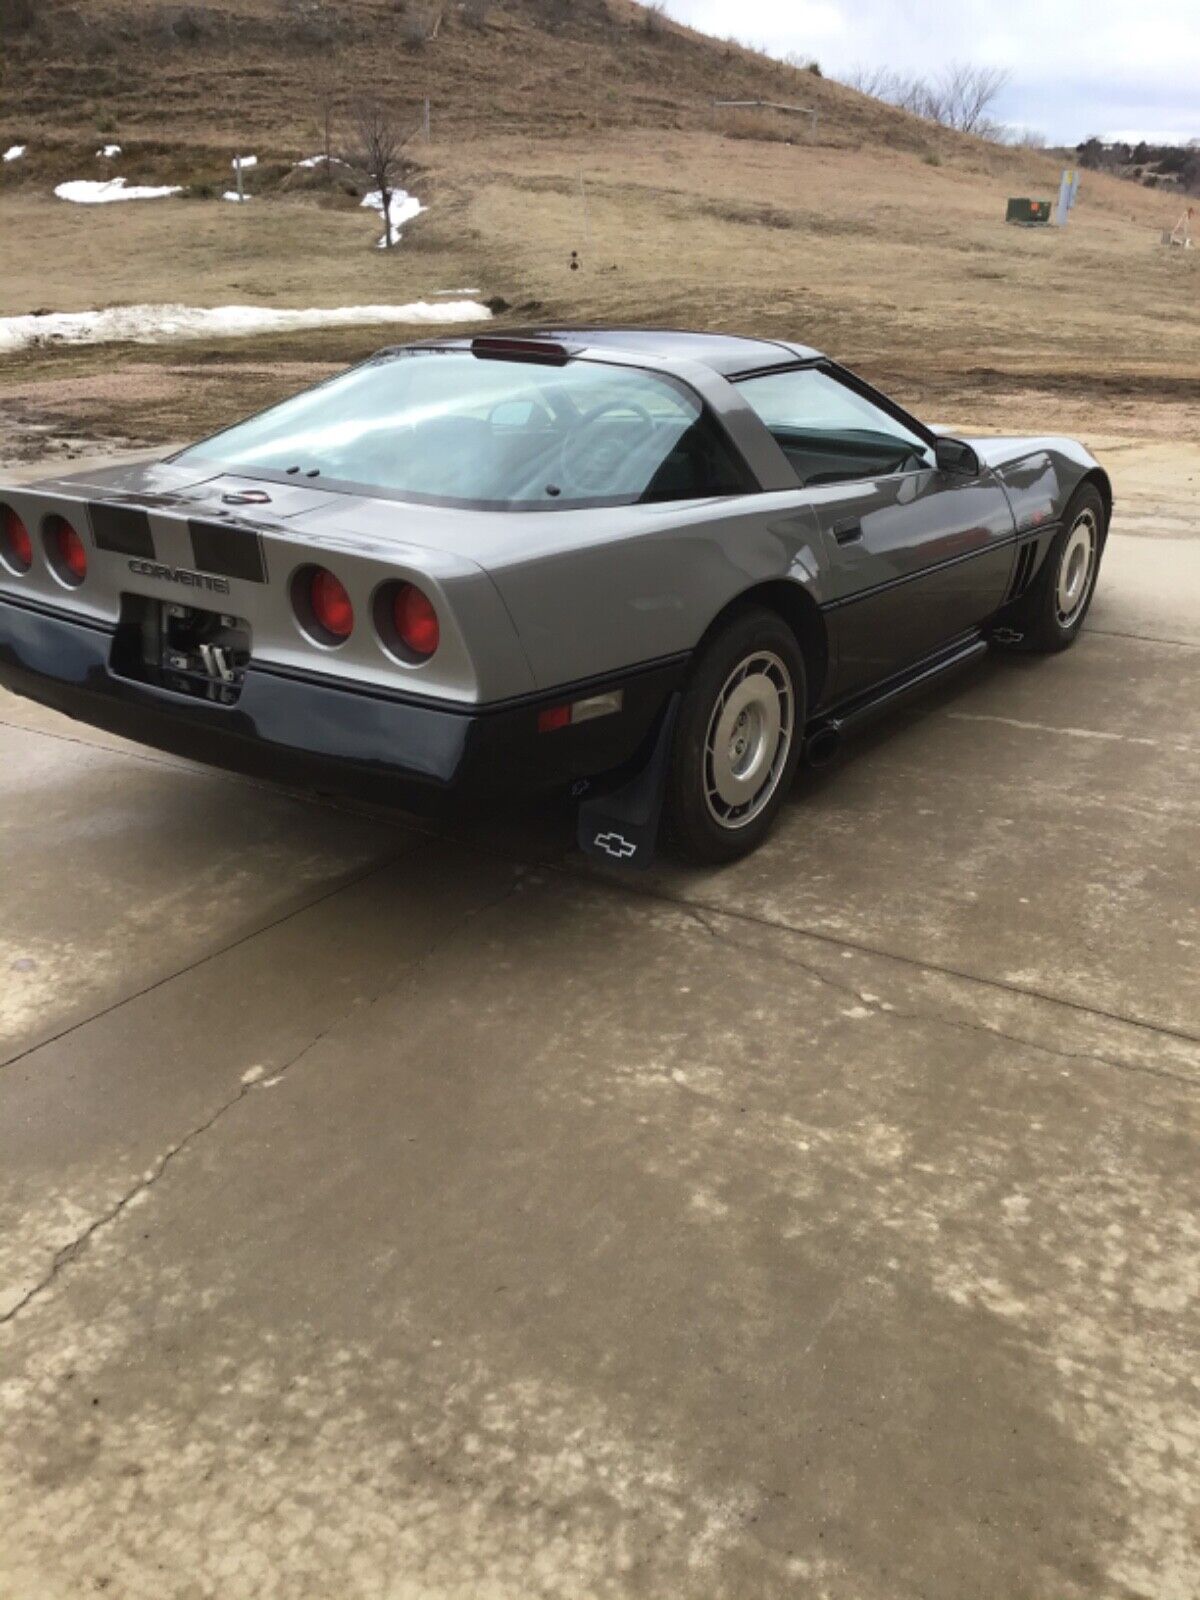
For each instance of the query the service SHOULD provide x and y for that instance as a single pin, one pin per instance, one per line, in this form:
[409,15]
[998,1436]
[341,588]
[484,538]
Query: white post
[1064,199]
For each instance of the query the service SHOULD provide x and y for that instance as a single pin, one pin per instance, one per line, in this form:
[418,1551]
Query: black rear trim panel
[228,549]
[125,530]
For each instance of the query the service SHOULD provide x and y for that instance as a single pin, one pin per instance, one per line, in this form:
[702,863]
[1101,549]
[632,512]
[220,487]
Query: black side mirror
[956,457]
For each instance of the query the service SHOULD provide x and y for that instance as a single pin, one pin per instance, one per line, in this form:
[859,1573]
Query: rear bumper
[309,732]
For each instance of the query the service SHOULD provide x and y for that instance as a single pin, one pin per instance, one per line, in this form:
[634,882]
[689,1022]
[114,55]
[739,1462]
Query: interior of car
[842,457]
[830,432]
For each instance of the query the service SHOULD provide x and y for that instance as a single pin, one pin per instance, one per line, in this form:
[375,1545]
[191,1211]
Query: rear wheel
[737,740]
[1050,616]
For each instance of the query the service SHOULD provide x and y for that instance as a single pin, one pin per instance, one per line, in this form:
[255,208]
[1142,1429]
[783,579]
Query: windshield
[448,426]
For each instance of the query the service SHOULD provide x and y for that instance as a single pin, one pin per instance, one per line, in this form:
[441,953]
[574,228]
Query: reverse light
[66,550]
[17,546]
[331,607]
[415,620]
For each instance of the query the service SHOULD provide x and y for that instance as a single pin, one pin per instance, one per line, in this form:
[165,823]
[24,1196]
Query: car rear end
[204,618]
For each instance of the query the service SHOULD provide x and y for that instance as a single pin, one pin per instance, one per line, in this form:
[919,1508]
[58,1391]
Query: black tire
[702,825]
[1039,616]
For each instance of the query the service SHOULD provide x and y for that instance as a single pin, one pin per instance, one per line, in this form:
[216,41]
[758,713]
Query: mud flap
[621,827]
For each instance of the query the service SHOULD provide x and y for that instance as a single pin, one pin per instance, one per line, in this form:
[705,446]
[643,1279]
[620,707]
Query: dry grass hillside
[202,73]
[875,235]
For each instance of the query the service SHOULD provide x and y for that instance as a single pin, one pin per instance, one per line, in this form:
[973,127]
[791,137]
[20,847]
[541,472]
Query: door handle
[847,532]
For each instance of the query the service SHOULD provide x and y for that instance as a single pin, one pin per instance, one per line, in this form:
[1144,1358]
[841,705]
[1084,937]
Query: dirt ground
[395,1212]
[903,269]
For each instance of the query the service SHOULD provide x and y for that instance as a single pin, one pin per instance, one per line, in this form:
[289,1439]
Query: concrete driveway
[395,1214]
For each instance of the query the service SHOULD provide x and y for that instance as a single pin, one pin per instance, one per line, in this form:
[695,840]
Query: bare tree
[378,145]
[881,83]
[1026,138]
[960,97]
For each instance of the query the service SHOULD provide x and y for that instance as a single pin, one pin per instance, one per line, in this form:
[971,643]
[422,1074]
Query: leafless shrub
[878,82]
[187,24]
[1025,138]
[419,24]
[378,138]
[765,126]
[654,18]
[803,63]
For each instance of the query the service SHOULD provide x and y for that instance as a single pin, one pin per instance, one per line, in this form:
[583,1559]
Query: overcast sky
[1110,67]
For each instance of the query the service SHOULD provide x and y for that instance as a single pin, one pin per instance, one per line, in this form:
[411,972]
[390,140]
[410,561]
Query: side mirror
[957,458]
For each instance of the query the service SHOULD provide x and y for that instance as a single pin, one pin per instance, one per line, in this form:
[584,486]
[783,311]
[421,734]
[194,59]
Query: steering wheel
[595,448]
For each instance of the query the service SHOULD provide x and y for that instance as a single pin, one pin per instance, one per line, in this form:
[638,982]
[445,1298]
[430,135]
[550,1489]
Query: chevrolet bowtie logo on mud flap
[190,580]
[615,845]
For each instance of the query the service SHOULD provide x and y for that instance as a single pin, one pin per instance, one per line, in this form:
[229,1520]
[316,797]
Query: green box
[1028,213]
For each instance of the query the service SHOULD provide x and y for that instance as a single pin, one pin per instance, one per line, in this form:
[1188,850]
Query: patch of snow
[159,323]
[108,153]
[232,194]
[15,152]
[245,162]
[88,192]
[404,207]
[319,161]
[439,292]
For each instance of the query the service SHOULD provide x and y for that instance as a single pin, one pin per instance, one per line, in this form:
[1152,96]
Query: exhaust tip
[821,747]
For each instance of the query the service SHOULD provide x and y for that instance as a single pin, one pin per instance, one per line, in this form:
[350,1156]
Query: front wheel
[737,740]
[1051,615]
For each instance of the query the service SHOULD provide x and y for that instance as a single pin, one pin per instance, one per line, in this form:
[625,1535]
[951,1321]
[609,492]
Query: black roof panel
[723,352]
[726,353]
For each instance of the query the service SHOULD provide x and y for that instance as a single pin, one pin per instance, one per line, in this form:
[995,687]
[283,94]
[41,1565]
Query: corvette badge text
[190,580]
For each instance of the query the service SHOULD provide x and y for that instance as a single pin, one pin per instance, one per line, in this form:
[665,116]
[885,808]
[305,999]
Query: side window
[829,433]
[701,465]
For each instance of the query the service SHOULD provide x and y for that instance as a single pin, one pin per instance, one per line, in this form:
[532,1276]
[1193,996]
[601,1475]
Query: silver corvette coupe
[655,568]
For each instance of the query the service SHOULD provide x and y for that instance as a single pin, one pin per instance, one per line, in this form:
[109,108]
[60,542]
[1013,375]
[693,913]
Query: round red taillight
[331,607]
[18,546]
[416,621]
[66,550]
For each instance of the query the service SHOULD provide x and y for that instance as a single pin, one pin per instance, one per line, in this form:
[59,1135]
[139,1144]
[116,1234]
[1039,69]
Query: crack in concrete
[212,955]
[878,1007]
[1143,638]
[71,1252]
[843,942]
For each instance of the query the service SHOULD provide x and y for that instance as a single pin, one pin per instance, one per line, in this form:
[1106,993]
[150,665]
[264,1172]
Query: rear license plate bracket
[183,648]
